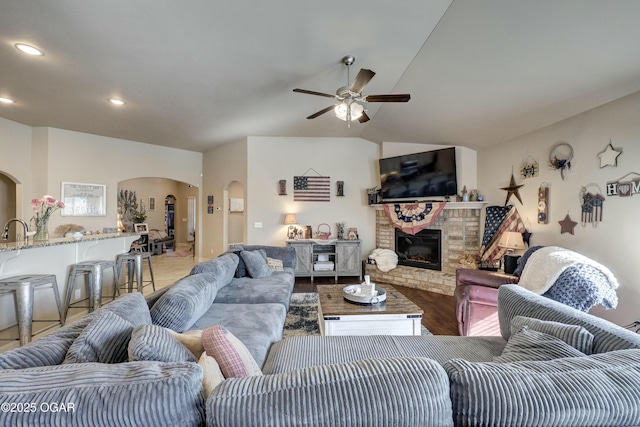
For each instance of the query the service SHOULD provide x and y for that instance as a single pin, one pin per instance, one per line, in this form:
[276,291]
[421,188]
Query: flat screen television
[420,175]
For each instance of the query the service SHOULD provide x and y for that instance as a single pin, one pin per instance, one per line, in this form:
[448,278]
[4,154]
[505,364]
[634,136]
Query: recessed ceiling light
[116,101]
[6,100]
[29,50]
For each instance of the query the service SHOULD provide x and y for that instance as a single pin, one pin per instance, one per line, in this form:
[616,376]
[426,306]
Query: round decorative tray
[352,294]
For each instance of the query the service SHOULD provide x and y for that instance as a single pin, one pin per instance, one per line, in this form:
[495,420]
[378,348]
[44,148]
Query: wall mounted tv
[419,176]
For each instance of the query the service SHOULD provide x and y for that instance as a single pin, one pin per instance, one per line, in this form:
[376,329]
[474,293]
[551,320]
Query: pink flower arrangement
[45,206]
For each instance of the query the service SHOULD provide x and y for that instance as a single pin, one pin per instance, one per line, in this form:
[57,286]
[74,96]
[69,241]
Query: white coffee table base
[370,324]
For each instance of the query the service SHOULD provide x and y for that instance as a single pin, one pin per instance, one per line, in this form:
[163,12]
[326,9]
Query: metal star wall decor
[513,189]
[609,157]
[567,225]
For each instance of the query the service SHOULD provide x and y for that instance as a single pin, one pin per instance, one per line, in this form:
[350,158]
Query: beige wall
[40,159]
[352,160]
[614,242]
[222,166]
[15,161]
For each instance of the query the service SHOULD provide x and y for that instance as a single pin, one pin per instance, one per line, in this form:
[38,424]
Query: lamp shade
[511,240]
[290,219]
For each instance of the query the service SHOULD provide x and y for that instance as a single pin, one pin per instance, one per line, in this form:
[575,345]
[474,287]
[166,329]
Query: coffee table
[395,316]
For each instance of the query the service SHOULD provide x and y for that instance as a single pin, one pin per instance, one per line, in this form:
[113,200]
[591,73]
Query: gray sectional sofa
[553,366]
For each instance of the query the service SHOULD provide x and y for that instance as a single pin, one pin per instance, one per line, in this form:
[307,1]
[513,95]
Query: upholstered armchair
[553,272]
[476,300]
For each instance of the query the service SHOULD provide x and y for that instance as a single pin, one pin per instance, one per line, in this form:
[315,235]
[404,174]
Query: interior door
[191,219]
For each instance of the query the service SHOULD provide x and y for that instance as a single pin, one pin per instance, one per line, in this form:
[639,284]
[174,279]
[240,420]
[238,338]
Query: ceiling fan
[349,98]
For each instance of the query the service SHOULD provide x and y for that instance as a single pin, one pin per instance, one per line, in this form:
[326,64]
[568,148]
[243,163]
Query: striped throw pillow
[231,354]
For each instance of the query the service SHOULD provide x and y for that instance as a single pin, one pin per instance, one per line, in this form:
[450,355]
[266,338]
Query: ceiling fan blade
[363,118]
[363,77]
[401,97]
[310,92]
[321,112]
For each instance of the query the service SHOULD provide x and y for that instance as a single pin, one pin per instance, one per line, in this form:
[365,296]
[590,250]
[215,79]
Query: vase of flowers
[43,209]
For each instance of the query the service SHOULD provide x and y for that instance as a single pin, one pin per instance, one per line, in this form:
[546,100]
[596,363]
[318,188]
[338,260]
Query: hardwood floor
[439,311]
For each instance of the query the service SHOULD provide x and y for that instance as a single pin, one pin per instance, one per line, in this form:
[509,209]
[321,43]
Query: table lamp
[511,240]
[290,220]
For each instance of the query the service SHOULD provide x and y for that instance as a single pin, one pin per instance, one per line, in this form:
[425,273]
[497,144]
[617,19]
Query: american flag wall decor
[311,189]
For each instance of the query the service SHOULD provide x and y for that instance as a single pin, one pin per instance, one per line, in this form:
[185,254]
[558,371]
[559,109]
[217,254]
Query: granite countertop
[14,246]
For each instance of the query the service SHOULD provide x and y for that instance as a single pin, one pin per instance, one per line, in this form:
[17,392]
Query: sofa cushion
[256,262]
[305,351]
[275,288]
[141,394]
[231,354]
[514,300]
[275,264]
[527,344]
[211,373]
[151,342]
[52,348]
[256,325]
[286,253]
[104,340]
[187,300]
[597,390]
[192,340]
[224,266]
[48,350]
[574,335]
[405,392]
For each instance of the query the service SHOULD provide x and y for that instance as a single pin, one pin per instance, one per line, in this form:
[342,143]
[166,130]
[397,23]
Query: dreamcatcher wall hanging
[560,157]
[592,204]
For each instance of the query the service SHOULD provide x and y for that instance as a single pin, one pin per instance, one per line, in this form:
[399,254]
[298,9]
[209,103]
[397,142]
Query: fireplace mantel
[449,205]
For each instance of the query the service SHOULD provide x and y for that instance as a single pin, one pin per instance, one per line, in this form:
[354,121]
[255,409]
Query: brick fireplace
[459,224]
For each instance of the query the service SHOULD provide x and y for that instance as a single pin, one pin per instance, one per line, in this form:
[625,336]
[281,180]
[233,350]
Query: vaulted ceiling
[198,73]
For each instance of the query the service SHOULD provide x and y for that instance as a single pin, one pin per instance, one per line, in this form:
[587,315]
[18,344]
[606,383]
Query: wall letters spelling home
[624,187]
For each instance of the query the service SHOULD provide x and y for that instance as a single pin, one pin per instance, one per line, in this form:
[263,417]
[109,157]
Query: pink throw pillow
[232,355]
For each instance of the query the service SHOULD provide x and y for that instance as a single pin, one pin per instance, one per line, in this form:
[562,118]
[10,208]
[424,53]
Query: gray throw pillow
[104,340]
[574,335]
[256,262]
[527,344]
[597,390]
[155,343]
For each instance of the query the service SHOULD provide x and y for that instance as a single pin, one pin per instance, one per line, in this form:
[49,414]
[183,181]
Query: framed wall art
[84,199]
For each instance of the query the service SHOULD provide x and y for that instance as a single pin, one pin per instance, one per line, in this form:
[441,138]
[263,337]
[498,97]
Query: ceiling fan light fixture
[354,108]
[28,49]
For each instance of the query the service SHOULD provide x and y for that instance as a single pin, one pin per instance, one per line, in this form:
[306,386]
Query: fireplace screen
[422,250]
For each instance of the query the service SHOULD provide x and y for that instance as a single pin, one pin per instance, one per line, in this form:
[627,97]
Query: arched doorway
[170,215]
[8,203]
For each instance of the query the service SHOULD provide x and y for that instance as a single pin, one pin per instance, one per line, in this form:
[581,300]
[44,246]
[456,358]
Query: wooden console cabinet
[346,256]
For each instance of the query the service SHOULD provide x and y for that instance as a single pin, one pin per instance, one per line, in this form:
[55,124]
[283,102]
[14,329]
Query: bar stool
[134,261]
[95,270]
[23,288]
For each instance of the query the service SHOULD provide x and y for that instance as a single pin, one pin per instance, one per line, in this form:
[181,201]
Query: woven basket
[323,235]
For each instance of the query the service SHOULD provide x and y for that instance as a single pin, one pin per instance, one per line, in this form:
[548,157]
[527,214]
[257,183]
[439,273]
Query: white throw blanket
[545,265]
[385,259]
